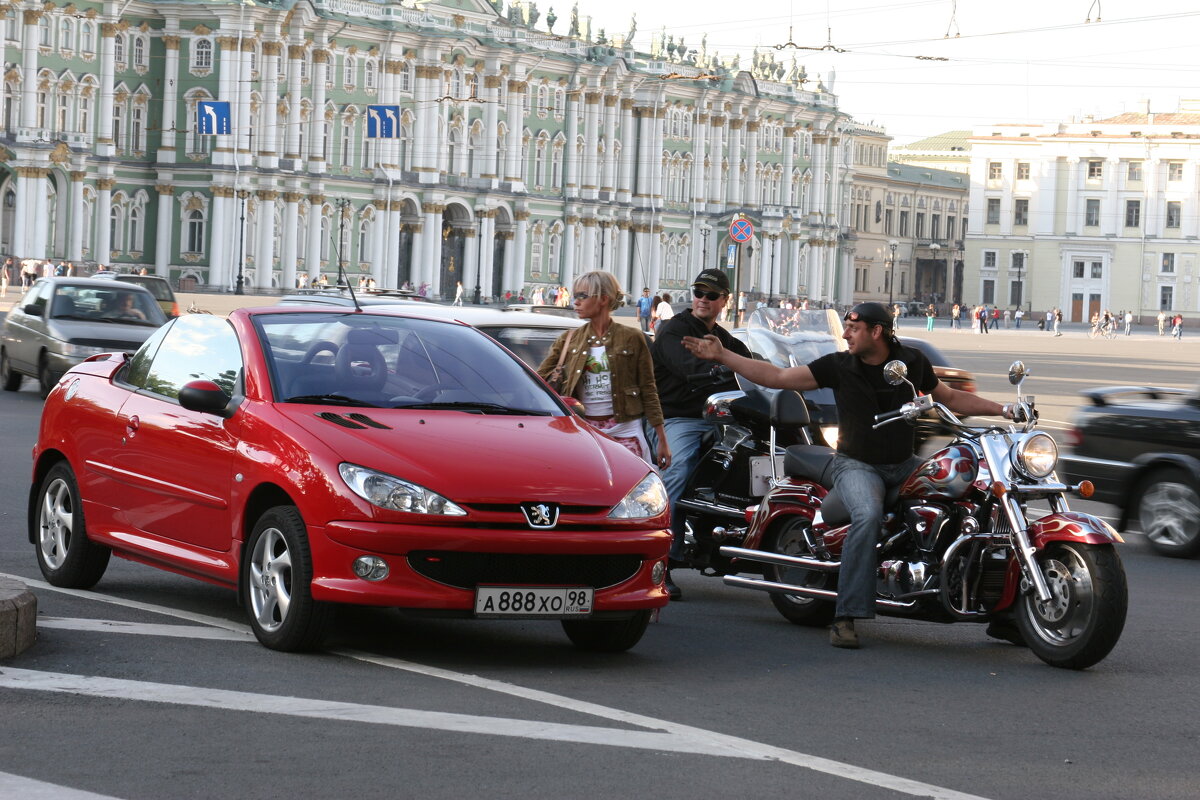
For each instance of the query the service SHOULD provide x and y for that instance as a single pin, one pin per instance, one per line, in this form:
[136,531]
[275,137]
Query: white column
[170,100]
[75,247]
[1073,197]
[789,164]
[431,269]
[471,270]
[264,258]
[516,124]
[104,142]
[623,271]
[287,257]
[571,164]
[268,148]
[609,170]
[591,136]
[39,189]
[566,275]
[241,121]
[520,244]
[629,147]
[103,213]
[291,146]
[316,138]
[751,196]
[29,68]
[312,260]
[736,178]
[654,242]
[219,255]
[164,228]
[716,154]
[491,125]
[699,177]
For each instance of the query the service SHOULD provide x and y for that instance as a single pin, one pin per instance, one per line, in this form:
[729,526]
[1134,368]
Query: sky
[1007,61]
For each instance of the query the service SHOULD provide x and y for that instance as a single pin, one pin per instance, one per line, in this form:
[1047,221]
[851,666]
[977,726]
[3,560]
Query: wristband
[1006,411]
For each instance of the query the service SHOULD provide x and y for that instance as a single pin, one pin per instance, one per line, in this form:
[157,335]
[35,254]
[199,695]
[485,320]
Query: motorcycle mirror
[1017,373]
[895,372]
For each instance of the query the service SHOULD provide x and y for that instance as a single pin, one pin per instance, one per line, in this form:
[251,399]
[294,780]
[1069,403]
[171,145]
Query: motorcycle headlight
[388,491]
[830,432]
[1036,455]
[647,499]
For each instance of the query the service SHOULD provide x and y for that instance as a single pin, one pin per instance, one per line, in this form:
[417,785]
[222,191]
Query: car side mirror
[205,397]
[32,309]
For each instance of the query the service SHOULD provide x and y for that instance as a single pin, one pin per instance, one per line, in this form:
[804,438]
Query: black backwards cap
[872,314]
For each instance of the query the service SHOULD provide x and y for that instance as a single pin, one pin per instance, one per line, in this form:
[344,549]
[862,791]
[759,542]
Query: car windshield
[113,303]
[356,359]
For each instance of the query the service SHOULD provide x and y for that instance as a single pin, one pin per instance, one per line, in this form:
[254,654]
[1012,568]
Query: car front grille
[468,570]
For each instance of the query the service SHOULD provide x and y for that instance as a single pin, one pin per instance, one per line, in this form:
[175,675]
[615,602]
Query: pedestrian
[1128,322]
[955,317]
[458,294]
[1018,315]
[930,316]
[896,316]
[663,311]
[1049,319]
[4,278]
[1162,320]
[983,319]
[643,309]
[1007,316]
[995,317]
[1057,321]
[1177,327]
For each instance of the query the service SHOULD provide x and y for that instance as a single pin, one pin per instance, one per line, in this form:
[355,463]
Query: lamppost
[705,230]
[478,263]
[771,237]
[892,245]
[934,247]
[1020,284]
[241,277]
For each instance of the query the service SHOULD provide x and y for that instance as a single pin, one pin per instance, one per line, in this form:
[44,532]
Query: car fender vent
[365,420]
[338,419]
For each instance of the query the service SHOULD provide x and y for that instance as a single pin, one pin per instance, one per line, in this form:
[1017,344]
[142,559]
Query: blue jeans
[686,436]
[862,488]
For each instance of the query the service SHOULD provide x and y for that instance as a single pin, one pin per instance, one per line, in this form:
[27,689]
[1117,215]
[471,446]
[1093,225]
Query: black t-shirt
[861,392]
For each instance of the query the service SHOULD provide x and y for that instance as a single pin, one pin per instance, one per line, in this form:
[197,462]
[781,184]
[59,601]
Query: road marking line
[662,736]
[144,629]
[30,789]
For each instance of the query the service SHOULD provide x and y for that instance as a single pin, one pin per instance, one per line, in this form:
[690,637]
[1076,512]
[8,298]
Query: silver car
[61,321]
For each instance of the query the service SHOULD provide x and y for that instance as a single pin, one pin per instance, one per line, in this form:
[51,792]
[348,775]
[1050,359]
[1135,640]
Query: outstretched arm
[764,373]
[967,403]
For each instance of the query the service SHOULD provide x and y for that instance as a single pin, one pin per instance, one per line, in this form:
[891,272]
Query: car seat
[63,307]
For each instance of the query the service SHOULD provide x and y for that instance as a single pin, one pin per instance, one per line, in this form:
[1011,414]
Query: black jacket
[673,363]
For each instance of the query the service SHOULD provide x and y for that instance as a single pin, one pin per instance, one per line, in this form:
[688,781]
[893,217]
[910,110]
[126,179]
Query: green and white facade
[524,158]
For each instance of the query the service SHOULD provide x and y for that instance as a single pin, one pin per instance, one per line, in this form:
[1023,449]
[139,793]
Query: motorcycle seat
[815,463]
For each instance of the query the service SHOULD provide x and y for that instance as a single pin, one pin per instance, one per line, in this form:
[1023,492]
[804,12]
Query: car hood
[478,458]
[100,334]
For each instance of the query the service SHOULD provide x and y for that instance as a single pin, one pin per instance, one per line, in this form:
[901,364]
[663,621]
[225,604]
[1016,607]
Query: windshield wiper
[330,399]
[483,408]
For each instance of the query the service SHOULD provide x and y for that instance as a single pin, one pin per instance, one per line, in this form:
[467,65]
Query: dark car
[1140,447]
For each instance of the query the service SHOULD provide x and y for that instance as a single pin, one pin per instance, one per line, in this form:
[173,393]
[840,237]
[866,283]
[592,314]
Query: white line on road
[29,789]
[663,737]
[144,629]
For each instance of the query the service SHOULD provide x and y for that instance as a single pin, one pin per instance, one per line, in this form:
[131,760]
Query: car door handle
[131,425]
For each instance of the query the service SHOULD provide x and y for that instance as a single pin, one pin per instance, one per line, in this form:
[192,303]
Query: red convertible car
[308,457]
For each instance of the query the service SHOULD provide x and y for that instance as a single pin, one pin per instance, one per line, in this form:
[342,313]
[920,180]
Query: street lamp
[935,247]
[241,278]
[705,230]
[478,263]
[1020,284]
[892,245]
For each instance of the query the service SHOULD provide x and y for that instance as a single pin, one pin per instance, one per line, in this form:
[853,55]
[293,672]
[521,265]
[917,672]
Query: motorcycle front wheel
[788,539]
[1085,615]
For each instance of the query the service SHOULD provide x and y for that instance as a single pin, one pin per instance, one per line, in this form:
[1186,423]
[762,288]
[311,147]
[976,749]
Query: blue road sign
[213,118]
[383,122]
[731,256]
[741,230]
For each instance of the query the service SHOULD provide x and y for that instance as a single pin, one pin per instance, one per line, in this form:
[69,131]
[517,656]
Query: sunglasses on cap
[709,296]
[854,316]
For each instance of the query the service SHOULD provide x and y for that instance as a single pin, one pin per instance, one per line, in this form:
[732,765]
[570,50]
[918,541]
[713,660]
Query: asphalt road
[151,687]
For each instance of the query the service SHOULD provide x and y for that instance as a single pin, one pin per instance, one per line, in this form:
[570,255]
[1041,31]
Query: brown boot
[841,634]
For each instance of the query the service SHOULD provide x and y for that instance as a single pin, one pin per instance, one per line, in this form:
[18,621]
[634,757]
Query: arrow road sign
[741,230]
[383,122]
[213,118]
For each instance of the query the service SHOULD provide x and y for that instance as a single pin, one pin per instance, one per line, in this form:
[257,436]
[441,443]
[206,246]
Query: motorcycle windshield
[794,338]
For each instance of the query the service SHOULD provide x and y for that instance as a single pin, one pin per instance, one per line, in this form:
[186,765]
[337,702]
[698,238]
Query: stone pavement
[18,618]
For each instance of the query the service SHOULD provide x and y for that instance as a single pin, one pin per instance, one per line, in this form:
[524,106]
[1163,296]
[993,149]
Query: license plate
[530,601]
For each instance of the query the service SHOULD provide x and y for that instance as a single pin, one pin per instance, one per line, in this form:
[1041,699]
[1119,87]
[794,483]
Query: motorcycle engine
[925,523]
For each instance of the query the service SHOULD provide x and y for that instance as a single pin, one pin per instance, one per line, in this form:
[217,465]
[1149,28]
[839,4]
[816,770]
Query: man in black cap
[869,461]
[683,402]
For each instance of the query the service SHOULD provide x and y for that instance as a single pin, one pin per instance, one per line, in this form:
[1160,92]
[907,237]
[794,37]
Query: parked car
[1140,447]
[558,311]
[528,335]
[159,287]
[311,456]
[61,321]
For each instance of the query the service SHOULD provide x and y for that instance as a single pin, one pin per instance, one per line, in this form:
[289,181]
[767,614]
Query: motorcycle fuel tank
[946,475]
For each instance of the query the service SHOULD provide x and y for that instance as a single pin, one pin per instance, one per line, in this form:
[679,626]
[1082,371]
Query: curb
[18,618]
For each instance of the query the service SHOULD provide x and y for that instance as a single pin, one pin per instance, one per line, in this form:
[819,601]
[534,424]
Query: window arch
[66,33]
[349,68]
[119,48]
[543,100]
[87,37]
[406,77]
[560,102]
[45,34]
[370,72]
[139,52]
[202,54]
[195,236]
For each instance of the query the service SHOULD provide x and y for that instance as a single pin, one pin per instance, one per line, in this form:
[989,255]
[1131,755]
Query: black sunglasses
[709,296]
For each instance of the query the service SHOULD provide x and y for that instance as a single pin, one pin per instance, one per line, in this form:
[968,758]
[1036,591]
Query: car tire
[65,555]
[607,636]
[9,378]
[276,584]
[45,380]
[1168,510]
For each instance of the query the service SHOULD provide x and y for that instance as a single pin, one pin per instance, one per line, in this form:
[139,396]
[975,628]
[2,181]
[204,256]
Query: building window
[1174,170]
[1133,213]
[1097,270]
[1077,270]
[935,226]
[1021,211]
[202,54]
[920,224]
[989,292]
[1174,211]
[1092,215]
[195,232]
[995,171]
[993,211]
[888,222]
[950,228]
[1022,170]
[989,259]
[1166,297]
[1135,171]
[903,223]
[1168,263]
[1095,170]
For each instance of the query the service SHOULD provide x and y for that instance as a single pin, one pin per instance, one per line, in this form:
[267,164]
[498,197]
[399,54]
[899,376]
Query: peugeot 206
[310,457]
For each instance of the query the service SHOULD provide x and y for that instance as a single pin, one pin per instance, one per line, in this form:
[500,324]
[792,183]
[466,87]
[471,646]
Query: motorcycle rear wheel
[787,538]
[1086,613]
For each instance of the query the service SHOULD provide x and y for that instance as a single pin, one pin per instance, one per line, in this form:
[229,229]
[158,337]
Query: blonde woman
[608,369]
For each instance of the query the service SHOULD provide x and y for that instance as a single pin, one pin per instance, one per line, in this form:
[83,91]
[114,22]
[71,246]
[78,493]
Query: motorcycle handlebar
[718,373]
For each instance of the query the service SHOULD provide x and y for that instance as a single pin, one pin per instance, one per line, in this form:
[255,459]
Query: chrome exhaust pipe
[787,588]
[779,558]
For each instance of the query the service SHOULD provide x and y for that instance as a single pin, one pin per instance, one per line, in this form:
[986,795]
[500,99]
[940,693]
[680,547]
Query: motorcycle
[959,542]
[754,424]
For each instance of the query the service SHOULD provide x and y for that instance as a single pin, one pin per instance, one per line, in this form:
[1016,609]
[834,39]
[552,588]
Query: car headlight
[1036,455]
[830,432]
[80,350]
[388,491]
[647,499]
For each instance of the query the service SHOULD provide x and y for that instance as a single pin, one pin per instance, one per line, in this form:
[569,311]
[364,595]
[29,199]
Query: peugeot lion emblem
[540,515]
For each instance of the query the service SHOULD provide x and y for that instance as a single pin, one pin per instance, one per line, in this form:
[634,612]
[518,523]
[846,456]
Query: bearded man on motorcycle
[869,461]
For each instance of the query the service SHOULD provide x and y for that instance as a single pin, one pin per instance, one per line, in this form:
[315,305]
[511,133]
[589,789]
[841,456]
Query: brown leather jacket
[634,391]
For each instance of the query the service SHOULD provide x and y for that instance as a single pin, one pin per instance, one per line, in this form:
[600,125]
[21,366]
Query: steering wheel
[318,347]
[430,392]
